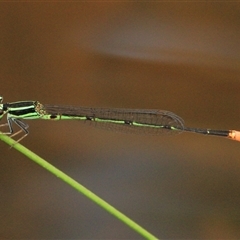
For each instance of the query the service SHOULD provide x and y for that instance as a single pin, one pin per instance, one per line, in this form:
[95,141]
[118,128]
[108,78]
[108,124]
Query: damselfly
[123,120]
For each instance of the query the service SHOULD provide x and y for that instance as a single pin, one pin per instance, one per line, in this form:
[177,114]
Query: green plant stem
[34,157]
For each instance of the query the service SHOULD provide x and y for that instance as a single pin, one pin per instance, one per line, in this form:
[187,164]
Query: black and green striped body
[23,109]
[124,120]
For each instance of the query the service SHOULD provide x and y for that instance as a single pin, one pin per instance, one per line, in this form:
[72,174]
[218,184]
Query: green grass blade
[93,197]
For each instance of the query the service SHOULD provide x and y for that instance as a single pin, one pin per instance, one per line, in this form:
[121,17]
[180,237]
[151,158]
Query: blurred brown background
[181,57]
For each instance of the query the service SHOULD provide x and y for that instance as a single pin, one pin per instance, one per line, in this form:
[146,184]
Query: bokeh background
[179,56]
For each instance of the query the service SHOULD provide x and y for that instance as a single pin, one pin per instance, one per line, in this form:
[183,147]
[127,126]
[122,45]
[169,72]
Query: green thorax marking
[24,109]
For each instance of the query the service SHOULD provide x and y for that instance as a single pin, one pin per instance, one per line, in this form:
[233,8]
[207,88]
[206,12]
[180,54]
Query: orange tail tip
[234,135]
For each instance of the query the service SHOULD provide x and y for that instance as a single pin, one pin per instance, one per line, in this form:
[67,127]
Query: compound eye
[1,98]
